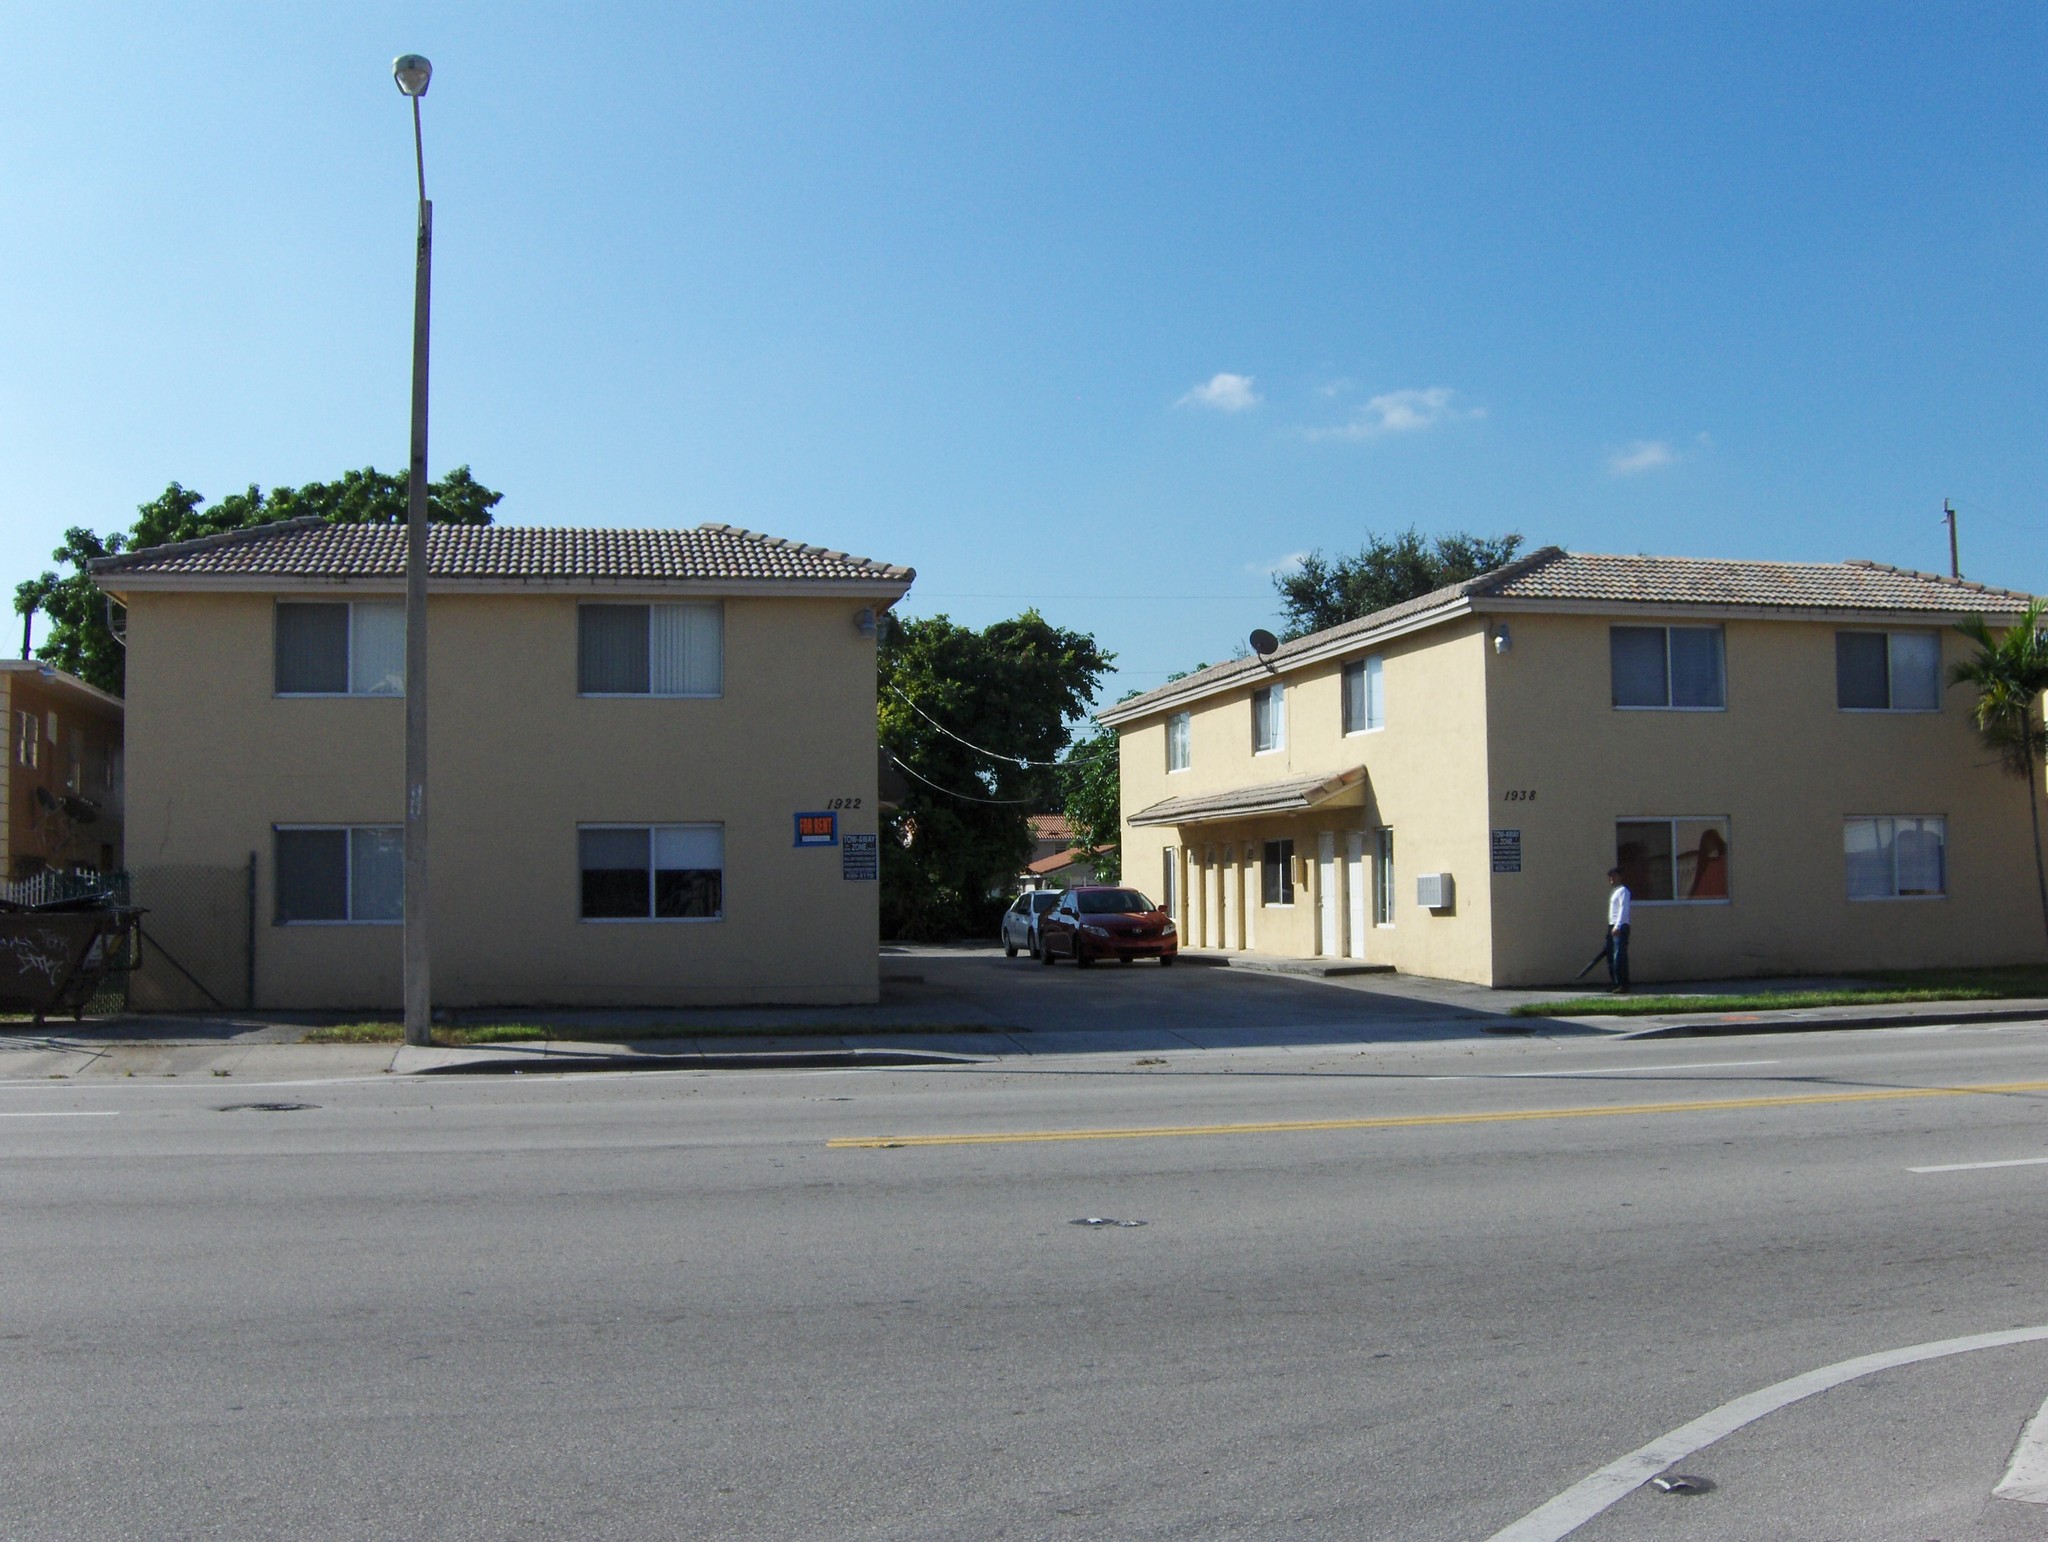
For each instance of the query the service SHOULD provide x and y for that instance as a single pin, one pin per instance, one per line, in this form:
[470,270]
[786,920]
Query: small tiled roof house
[1771,752]
[626,729]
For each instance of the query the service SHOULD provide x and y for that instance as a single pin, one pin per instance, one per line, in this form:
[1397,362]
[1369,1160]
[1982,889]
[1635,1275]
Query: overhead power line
[1015,760]
[964,797]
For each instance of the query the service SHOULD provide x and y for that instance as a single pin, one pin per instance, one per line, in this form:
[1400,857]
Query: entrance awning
[1292,796]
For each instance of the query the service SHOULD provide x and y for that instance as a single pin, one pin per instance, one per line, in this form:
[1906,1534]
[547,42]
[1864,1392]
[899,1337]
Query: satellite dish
[1264,642]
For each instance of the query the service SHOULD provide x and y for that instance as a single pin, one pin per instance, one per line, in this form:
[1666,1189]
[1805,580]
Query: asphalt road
[1458,1279]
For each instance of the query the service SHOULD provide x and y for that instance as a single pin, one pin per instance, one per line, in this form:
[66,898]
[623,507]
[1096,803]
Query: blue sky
[1106,308]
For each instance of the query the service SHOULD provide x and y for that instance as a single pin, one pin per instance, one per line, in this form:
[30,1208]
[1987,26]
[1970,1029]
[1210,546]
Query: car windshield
[1044,900]
[1112,902]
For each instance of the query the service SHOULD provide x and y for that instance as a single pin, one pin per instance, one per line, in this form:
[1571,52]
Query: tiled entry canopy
[1345,789]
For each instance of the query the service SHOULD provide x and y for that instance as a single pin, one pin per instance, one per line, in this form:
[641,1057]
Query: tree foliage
[1092,800]
[1387,570]
[990,717]
[2009,673]
[77,637]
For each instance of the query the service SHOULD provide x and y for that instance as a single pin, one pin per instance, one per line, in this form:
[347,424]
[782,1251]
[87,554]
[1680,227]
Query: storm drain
[1101,1220]
[263,1108]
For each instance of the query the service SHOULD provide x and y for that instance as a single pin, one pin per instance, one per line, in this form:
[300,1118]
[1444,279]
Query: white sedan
[1020,921]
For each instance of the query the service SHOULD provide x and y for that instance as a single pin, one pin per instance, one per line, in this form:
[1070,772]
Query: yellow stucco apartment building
[1770,751]
[652,768]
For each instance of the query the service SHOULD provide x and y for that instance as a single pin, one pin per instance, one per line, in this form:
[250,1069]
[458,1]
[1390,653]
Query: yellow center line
[1418,1121]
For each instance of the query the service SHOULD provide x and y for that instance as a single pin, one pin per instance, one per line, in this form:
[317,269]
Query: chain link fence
[198,937]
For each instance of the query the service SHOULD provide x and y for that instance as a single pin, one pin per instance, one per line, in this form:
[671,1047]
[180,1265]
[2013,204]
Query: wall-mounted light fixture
[1502,638]
[864,621]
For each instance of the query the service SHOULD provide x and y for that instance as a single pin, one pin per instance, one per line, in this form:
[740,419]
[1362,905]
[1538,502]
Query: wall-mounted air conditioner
[1433,891]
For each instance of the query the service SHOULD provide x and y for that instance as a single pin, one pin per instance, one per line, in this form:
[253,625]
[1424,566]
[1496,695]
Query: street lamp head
[412,72]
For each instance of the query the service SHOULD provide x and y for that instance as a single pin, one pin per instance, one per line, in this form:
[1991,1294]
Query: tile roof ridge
[114,561]
[1954,581]
[1507,572]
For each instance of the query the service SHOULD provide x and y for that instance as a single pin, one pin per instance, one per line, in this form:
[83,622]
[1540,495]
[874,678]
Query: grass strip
[462,1037]
[1753,1001]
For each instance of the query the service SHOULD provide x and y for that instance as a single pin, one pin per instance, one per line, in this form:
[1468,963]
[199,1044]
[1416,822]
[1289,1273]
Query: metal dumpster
[53,960]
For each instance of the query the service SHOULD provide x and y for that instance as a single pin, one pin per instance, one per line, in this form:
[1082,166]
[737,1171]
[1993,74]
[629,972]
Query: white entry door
[1326,894]
[1354,891]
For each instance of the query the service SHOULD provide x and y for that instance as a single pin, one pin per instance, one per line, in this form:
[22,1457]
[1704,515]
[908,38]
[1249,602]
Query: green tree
[1092,800]
[2009,673]
[1385,571]
[78,637]
[979,720]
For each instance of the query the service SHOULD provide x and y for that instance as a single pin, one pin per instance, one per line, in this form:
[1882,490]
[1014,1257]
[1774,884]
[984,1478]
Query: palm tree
[2010,672]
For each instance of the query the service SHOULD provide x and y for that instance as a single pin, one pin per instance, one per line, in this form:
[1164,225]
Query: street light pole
[413,74]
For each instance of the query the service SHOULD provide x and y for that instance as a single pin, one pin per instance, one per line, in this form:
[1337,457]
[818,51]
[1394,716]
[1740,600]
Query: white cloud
[1225,392]
[1400,412]
[1640,455]
[1286,564]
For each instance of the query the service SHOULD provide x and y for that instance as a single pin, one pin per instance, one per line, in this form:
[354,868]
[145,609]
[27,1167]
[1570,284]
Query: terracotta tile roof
[314,549]
[1051,827]
[1552,574]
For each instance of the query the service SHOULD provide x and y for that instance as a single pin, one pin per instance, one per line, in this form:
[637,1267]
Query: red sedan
[1103,921]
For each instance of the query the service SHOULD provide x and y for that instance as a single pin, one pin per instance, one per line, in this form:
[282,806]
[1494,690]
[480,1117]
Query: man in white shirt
[1620,903]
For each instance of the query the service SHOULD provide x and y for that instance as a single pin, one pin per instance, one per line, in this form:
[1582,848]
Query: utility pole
[1948,517]
[412,74]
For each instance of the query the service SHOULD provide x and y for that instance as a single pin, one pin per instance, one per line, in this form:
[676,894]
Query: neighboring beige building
[1770,750]
[61,781]
[626,728]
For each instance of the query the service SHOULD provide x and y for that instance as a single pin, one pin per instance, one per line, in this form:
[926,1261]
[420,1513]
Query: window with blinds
[650,650]
[340,648]
[339,873]
[652,872]
[1678,668]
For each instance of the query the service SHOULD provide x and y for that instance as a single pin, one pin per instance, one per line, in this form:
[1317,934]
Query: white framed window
[1672,668]
[1169,881]
[1896,856]
[28,740]
[650,650]
[1179,741]
[1276,874]
[340,648]
[651,872]
[1269,719]
[1673,860]
[339,874]
[1365,696]
[1888,671]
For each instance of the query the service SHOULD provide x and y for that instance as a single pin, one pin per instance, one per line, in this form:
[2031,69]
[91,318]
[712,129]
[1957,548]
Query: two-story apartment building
[62,779]
[652,768]
[1770,751]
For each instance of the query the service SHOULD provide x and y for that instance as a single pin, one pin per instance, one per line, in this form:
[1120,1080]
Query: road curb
[1808,1022]
[488,1062]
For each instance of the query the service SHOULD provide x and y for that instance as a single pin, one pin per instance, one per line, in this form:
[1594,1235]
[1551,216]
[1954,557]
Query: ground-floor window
[1276,874]
[1383,876]
[340,873]
[1896,856]
[1673,861]
[652,872]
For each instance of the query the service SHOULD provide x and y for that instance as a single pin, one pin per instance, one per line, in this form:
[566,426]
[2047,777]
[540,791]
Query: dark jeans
[1617,957]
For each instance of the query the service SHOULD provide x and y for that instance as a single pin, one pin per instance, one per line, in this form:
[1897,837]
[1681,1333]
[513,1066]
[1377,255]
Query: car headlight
[1166,930]
[1096,931]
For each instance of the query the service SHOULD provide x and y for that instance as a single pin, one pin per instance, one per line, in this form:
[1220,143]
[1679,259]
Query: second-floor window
[650,650]
[1179,731]
[1673,667]
[1365,696]
[1888,671]
[340,648]
[28,738]
[1269,719]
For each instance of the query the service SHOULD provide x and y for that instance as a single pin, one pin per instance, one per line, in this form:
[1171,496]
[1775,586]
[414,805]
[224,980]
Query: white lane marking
[1595,1492]
[1612,1070]
[2026,1478]
[60,1113]
[1974,1167]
